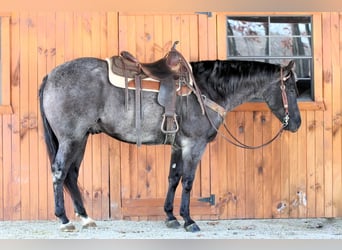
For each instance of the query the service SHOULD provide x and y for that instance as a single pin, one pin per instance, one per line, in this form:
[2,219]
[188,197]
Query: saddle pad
[147,84]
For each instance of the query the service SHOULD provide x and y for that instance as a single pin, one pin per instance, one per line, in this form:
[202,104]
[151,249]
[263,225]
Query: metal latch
[210,199]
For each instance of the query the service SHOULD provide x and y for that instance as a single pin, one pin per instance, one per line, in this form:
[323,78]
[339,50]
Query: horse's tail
[49,136]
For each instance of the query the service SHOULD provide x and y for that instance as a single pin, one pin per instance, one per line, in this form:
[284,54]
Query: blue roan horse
[76,99]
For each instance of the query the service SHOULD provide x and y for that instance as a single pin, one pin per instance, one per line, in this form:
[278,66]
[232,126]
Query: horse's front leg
[175,173]
[191,157]
[187,182]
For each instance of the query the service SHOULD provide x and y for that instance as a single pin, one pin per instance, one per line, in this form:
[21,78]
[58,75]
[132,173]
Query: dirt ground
[222,229]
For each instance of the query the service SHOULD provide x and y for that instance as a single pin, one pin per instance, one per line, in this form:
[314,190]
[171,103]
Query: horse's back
[74,93]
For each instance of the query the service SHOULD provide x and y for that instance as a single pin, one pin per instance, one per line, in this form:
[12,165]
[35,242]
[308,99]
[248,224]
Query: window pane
[248,46]
[290,46]
[247,26]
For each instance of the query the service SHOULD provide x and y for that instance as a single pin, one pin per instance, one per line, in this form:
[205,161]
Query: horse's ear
[291,65]
[287,70]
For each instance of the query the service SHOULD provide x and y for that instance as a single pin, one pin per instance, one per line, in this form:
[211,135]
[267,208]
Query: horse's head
[282,91]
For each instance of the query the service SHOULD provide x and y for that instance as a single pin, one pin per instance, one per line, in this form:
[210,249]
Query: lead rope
[238,143]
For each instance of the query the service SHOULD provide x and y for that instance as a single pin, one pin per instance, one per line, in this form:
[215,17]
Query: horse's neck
[242,94]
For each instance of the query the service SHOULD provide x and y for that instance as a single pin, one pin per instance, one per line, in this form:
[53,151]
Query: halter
[216,107]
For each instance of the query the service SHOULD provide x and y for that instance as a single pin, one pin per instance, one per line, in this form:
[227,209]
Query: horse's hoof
[68,227]
[172,224]
[193,228]
[87,222]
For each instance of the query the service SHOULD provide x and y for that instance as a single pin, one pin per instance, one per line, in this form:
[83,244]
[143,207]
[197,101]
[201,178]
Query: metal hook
[286,120]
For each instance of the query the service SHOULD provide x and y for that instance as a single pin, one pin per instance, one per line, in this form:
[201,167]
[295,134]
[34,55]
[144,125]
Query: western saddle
[172,71]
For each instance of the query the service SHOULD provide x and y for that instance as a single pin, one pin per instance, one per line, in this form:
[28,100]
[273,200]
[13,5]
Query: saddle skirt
[117,77]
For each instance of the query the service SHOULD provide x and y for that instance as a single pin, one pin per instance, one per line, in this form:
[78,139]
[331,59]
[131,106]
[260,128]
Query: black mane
[229,76]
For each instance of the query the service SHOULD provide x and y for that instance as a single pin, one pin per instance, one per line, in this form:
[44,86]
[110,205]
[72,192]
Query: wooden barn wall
[302,170]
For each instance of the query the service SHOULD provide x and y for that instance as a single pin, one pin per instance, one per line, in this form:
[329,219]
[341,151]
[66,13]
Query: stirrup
[169,131]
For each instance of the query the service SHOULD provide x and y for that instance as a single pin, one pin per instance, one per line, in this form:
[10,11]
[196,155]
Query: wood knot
[260,170]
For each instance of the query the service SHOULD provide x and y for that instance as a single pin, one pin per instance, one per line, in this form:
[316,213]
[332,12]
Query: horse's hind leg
[176,169]
[70,184]
[65,157]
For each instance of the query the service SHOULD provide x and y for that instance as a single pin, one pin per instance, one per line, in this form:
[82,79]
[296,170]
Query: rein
[221,111]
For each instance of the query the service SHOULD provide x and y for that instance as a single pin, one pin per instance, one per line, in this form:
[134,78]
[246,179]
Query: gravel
[220,229]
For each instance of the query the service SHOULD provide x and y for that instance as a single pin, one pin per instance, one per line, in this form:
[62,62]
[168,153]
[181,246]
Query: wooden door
[144,170]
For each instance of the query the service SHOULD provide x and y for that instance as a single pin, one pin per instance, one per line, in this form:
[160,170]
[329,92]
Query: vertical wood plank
[319,165]
[60,37]
[32,115]
[240,167]
[318,55]
[44,163]
[68,26]
[2,151]
[285,174]
[221,37]
[267,164]
[5,65]
[11,172]
[230,164]
[327,81]
[24,114]
[336,38]
[250,169]
[311,124]
[222,167]
[293,172]
[302,168]
[193,37]
[175,28]
[258,165]
[318,187]
[276,169]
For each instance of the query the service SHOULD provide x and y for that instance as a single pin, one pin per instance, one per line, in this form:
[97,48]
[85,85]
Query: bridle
[222,112]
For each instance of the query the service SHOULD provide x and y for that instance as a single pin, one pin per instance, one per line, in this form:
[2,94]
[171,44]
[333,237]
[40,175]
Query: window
[275,39]
[5,95]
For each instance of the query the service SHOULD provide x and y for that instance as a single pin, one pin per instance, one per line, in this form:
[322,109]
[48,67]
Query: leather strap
[214,106]
[138,108]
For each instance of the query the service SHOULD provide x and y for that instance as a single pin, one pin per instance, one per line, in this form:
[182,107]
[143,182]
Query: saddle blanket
[147,84]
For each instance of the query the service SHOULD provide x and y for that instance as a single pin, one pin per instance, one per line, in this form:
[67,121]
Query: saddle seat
[168,66]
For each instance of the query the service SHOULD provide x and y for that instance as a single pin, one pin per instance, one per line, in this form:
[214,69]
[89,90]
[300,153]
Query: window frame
[5,105]
[317,102]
